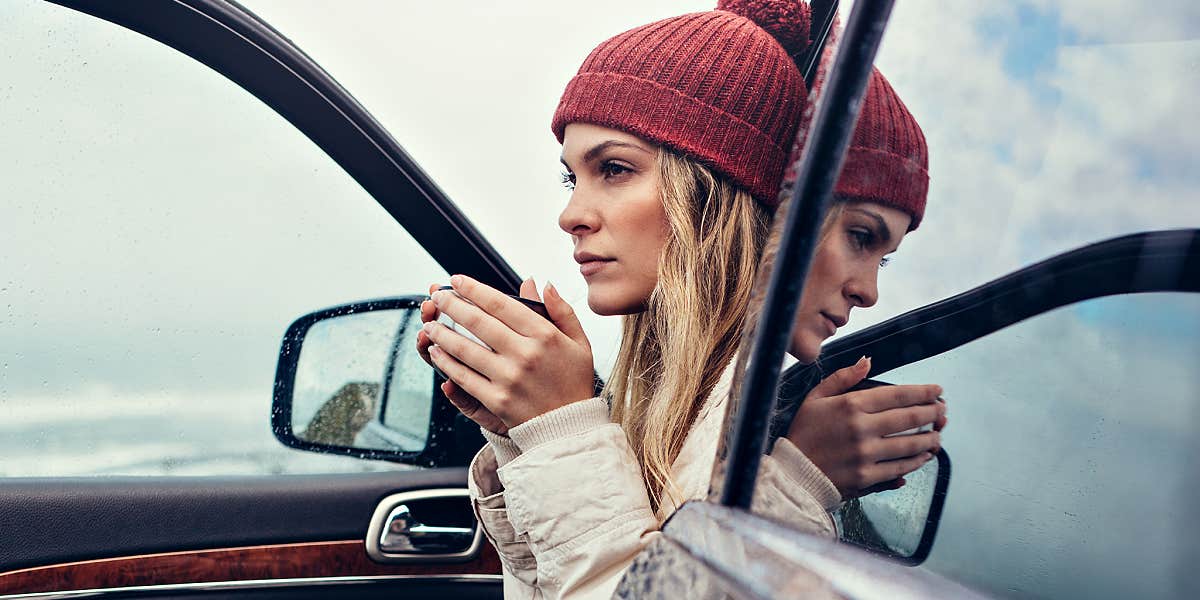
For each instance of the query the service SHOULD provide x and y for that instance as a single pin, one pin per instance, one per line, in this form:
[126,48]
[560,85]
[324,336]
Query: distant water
[97,433]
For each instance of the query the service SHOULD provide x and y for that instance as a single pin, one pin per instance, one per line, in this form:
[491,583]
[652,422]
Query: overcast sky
[161,227]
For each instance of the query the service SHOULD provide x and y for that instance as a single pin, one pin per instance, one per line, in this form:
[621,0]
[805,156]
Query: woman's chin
[806,350]
[608,305]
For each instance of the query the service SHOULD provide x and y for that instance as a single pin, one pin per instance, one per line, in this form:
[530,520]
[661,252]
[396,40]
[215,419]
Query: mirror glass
[894,522]
[1075,452]
[360,383]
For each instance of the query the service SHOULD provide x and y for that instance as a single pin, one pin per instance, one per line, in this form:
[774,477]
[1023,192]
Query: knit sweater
[564,503]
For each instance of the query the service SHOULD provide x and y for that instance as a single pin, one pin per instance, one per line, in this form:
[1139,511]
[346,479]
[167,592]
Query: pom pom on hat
[789,22]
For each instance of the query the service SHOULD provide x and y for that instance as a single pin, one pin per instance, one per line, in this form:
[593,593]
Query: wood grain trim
[309,559]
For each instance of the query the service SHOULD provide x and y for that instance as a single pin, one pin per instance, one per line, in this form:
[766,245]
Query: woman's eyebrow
[596,150]
[885,234]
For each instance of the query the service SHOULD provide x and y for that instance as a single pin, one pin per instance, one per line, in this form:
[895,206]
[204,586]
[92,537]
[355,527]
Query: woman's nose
[577,218]
[863,288]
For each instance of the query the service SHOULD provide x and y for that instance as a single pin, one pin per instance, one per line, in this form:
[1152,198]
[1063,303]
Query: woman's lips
[591,267]
[831,325]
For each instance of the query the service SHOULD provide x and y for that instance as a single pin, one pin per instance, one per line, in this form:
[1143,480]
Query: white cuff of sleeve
[803,471]
[564,421]
[502,446]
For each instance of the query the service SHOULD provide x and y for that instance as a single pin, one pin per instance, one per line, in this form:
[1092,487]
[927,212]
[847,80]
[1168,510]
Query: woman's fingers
[423,344]
[904,446]
[563,316]
[893,469]
[493,312]
[429,311]
[529,290]
[842,379]
[898,420]
[460,348]
[475,320]
[473,409]
[888,397]
[463,376]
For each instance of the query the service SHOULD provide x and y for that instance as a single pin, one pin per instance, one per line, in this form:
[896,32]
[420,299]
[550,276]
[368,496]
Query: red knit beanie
[720,87]
[888,160]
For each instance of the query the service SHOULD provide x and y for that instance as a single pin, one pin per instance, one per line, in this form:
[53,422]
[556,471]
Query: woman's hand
[845,433]
[535,365]
[464,402]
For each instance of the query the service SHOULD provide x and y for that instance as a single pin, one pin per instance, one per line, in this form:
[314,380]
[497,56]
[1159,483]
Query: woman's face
[844,271]
[615,215]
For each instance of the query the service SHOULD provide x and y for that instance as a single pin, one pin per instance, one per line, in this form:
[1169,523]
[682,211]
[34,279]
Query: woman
[569,489]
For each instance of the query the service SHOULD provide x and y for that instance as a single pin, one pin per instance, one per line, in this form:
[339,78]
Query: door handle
[396,535]
[404,533]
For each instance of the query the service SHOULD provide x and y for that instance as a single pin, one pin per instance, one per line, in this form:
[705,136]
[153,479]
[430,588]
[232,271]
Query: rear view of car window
[161,228]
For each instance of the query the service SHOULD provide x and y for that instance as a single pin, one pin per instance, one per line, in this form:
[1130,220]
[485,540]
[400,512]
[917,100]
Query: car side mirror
[349,381]
[902,523]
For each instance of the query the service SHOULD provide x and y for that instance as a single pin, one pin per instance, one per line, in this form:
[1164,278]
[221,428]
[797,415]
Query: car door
[181,183]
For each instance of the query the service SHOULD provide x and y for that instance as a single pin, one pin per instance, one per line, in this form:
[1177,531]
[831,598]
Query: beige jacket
[564,503]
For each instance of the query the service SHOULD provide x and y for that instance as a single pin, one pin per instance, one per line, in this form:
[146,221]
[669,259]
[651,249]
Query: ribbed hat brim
[750,158]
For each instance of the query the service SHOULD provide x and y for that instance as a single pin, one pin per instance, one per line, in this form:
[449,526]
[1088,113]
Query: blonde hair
[673,353]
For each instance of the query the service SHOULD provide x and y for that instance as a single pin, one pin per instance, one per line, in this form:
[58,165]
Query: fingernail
[428,327]
[864,361]
[456,281]
[438,298]
[435,352]
[550,289]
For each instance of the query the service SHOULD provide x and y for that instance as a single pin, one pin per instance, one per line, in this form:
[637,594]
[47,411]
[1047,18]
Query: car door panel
[121,532]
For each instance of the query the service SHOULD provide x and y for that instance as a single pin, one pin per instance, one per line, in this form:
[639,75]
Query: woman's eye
[612,169]
[568,180]
[861,238]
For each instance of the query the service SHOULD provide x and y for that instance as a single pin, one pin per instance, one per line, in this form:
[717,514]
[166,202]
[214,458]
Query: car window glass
[1072,436]
[161,228]
[1050,125]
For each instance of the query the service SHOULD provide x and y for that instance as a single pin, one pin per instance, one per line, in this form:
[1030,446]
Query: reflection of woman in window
[674,139]
[879,197]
